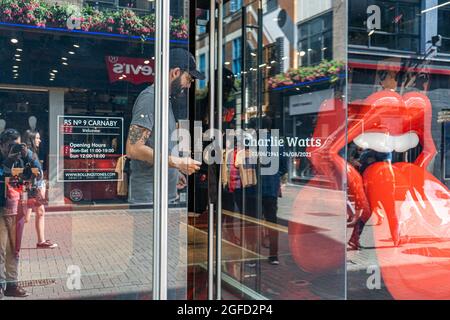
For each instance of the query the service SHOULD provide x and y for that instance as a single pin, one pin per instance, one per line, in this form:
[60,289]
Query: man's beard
[176,90]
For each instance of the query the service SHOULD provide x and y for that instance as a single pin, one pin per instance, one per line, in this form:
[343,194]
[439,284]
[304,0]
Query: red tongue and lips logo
[413,248]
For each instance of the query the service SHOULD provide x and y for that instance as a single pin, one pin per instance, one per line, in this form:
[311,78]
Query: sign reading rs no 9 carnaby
[89,148]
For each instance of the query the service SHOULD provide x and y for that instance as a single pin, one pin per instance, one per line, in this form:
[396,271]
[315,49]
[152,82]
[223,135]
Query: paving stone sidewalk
[111,250]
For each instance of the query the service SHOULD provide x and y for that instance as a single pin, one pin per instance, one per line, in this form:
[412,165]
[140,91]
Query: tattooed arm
[136,148]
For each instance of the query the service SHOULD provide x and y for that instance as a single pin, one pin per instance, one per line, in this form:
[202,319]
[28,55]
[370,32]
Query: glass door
[283,175]
[275,92]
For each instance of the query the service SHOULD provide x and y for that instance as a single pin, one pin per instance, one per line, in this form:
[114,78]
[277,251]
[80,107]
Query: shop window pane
[377,76]
[269,213]
[303,31]
[383,40]
[303,49]
[327,46]
[446,151]
[445,46]
[357,13]
[389,17]
[397,18]
[315,50]
[408,43]
[443,26]
[316,26]
[358,38]
[86,93]
[408,20]
[315,39]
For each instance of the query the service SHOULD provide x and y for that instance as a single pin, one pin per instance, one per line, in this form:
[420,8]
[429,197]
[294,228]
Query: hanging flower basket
[326,69]
[124,21]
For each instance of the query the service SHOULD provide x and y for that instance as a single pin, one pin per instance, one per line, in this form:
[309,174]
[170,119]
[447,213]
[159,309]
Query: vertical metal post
[244,60]
[157,155]
[212,64]
[219,184]
[259,96]
[161,160]
[244,111]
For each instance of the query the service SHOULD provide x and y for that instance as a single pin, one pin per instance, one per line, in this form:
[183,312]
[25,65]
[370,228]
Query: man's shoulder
[145,100]
[150,90]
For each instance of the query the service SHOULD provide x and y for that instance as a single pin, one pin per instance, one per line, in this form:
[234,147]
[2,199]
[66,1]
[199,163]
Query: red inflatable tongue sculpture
[413,247]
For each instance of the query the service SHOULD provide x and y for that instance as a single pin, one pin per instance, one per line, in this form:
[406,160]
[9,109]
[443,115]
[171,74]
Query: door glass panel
[284,122]
[80,79]
[198,204]
[399,195]
[182,75]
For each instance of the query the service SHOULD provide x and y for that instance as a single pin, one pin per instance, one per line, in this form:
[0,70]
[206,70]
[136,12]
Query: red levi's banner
[134,70]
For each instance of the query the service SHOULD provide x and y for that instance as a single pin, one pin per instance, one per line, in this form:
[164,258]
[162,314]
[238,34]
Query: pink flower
[110,20]
[110,29]
[7,11]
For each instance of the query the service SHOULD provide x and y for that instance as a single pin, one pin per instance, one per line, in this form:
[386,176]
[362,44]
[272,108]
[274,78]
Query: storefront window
[315,40]
[385,24]
[444,28]
[279,242]
[398,196]
[76,87]
[237,55]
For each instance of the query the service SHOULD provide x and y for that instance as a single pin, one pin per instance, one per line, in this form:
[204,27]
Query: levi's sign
[134,70]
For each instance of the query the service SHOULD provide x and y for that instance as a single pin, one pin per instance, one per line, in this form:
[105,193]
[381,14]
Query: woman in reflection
[33,139]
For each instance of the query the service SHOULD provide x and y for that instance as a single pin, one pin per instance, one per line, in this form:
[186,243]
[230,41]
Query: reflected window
[202,68]
[235,5]
[236,57]
[202,19]
[397,27]
[271,5]
[139,6]
[446,151]
[444,27]
[315,40]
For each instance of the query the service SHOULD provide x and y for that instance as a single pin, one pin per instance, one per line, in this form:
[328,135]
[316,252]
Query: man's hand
[185,165]
[182,182]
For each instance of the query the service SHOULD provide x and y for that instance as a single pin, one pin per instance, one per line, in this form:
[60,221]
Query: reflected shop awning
[432,67]
[48,57]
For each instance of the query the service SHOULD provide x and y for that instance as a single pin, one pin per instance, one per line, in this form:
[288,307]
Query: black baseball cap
[183,59]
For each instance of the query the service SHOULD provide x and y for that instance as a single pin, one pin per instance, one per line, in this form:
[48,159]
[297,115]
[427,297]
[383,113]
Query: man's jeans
[9,264]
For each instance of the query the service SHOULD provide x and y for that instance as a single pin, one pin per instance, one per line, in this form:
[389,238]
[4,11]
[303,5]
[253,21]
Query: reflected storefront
[321,130]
